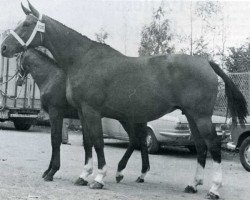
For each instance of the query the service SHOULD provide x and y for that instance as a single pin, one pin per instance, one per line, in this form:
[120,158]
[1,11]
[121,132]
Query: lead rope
[9,97]
[10,78]
[4,93]
[19,63]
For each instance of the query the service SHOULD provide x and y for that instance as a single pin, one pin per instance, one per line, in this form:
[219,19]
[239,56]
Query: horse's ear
[33,10]
[25,10]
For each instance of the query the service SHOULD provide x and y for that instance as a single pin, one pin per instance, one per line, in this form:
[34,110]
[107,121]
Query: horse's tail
[236,101]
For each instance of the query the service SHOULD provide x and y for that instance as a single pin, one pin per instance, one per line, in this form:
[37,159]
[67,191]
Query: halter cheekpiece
[40,27]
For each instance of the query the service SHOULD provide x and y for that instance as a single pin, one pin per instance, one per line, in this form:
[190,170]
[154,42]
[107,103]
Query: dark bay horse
[102,82]
[51,81]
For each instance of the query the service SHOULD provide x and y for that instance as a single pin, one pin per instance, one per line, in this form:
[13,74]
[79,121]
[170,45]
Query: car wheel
[21,125]
[192,149]
[245,154]
[152,143]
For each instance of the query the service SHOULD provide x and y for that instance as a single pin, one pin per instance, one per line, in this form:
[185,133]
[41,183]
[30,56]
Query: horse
[51,81]
[102,82]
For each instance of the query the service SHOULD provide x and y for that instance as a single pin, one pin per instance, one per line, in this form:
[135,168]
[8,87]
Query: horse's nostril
[4,48]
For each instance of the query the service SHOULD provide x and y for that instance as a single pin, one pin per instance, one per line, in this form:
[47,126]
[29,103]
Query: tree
[156,38]
[238,59]
[204,10]
[101,36]
[207,9]
[201,48]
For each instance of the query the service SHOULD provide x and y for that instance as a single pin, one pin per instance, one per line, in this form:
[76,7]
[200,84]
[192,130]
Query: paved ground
[25,155]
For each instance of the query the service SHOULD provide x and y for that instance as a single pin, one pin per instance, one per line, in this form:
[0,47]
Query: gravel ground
[25,155]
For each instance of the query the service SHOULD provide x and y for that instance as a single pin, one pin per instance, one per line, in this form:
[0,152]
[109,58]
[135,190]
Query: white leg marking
[144,174]
[101,174]
[119,173]
[199,175]
[87,169]
[217,178]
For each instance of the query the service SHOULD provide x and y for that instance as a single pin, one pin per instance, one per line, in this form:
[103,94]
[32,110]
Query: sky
[124,20]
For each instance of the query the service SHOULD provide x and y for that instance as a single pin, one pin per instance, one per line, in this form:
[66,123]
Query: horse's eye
[26,24]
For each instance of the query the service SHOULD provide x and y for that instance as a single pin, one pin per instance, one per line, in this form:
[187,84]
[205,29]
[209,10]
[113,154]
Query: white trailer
[18,104]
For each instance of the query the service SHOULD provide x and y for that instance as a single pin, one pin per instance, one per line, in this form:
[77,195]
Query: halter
[40,27]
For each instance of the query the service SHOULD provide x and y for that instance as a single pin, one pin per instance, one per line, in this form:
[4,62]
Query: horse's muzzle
[3,50]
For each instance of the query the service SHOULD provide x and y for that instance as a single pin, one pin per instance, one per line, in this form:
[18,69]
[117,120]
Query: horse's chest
[69,93]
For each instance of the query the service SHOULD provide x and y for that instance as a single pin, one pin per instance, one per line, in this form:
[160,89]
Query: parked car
[172,129]
[240,141]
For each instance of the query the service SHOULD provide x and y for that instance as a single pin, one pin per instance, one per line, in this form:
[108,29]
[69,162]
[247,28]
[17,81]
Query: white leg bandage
[119,173]
[101,174]
[87,169]
[143,175]
[217,178]
[199,175]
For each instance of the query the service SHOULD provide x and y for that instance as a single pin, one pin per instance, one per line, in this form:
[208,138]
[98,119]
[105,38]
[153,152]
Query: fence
[242,81]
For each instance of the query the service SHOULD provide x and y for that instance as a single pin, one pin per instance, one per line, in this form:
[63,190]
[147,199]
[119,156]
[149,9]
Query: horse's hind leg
[207,131]
[201,148]
[56,120]
[137,138]
[129,128]
[141,134]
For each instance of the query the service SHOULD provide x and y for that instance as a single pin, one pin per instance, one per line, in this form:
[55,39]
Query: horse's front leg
[56,120]
[87,143]
[92,128]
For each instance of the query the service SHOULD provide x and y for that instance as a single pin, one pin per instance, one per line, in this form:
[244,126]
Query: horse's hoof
[48,178]
[139,180]
[81,182]
[96,185]
[119,178]
[46,173]
[211,195]
[190,189]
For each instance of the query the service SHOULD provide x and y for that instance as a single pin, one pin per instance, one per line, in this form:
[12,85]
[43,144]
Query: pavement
[25,155]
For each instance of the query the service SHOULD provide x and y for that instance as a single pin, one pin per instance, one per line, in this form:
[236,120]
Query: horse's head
[27,34]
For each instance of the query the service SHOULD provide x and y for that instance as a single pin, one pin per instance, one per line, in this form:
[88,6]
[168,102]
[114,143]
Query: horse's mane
[42,53]
[84,36]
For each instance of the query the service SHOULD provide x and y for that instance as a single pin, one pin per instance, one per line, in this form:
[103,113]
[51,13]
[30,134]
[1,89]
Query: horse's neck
[63,42]
[68,46]
[37,71]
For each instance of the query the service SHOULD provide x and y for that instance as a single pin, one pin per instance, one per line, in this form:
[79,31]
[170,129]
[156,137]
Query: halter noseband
[40,27]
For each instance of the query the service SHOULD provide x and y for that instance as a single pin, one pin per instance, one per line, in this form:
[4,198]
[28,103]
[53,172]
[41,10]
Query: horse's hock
[242,81]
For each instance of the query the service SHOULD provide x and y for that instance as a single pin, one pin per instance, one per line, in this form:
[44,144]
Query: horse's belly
[141,103]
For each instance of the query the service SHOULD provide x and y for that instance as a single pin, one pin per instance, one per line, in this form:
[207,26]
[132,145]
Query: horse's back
[161,83]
